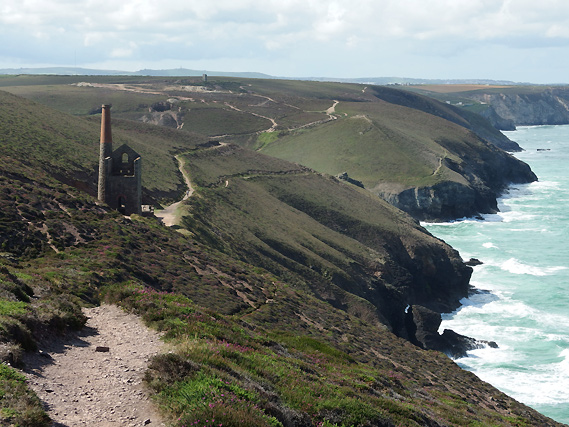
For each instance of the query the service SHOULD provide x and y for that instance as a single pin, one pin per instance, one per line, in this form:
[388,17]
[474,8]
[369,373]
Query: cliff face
[549,106]
[485,175]
[351,249]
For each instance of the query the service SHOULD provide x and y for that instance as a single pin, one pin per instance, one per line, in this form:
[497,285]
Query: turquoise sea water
[524,303]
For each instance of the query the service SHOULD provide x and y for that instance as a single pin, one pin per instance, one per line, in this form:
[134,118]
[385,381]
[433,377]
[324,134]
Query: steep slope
[336,240]
[526,106]
[250,344]
[422,163]
[407,148]
[67,148]
[507,106]
[459,116]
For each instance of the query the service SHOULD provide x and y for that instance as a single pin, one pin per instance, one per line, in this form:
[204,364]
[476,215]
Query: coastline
[520,295]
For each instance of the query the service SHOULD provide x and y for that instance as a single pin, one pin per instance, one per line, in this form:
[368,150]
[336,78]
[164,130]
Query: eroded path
[169,215]
[84,387]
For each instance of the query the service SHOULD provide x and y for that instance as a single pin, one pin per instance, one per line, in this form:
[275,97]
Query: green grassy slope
[249,345]
[67,147]
[409,149]
[335,239]
[393,148]
[373,145]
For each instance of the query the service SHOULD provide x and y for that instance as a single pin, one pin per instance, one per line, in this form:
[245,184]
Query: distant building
[120,184]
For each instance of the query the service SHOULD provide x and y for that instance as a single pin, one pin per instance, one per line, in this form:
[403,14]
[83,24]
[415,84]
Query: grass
[13,308]
[375,145]
[18,405]
[266,138]
[279,296]
[286,221]
[371,138]
[223,373]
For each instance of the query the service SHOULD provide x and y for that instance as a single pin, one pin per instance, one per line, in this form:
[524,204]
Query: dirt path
[169,215]
[84,387]
[332,109]
[274,123]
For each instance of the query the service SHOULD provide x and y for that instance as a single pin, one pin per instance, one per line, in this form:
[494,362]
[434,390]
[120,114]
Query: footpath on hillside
[94,378]
[169,215]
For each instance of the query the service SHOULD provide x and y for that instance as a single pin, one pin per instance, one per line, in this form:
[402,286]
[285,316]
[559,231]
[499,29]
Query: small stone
[102,349]
[147,421]
[44,354]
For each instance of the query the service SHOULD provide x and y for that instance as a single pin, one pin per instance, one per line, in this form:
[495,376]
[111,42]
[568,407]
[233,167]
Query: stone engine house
[120,184]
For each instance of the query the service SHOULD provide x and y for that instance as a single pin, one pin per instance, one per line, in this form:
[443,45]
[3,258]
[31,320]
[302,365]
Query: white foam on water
[511,370]
[538,386]
[525,270]
[451,223]
[545,185]
[514,266]
[516,216]
[564,364]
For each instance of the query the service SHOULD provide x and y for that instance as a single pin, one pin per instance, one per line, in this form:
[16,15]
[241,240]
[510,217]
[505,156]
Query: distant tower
[120,184]
[204,78]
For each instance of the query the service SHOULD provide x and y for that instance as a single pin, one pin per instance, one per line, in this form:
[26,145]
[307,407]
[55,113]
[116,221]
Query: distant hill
[184,72]
[405,81]
[74,71]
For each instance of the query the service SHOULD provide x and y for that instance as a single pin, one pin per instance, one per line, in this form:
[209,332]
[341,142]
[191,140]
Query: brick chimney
[106,149]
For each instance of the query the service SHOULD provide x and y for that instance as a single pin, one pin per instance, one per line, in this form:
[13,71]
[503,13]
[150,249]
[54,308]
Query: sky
[516,40]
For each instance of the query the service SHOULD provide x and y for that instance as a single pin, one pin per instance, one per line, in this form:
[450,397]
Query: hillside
[507,107]
[255,296]
[451,166]
[420,156]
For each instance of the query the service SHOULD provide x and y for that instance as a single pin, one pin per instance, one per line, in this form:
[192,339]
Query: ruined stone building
[120,184]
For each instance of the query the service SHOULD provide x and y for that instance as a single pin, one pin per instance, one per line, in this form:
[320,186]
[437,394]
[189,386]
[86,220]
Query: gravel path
[169,215]
[84,386]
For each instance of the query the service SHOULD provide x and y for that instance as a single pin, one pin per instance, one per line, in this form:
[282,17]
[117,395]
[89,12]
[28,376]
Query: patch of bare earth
[94,378]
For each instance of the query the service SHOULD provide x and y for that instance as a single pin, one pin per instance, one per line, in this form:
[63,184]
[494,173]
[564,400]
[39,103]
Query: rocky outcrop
[482,181]
[497,121]
[344,177]
[445,201]
[423,325]
[548,106]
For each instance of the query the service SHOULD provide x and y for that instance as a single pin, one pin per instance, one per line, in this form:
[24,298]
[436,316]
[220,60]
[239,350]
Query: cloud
[264,31]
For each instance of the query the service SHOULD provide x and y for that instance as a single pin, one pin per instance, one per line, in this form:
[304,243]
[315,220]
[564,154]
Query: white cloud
[272,32]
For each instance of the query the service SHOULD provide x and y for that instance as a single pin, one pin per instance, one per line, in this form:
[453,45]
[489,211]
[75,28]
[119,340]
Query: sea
[522,298]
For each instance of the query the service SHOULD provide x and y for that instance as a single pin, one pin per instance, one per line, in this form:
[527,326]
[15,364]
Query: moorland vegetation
[283,290]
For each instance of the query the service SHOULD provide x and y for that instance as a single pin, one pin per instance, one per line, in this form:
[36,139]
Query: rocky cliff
[526,107]
[485,177]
